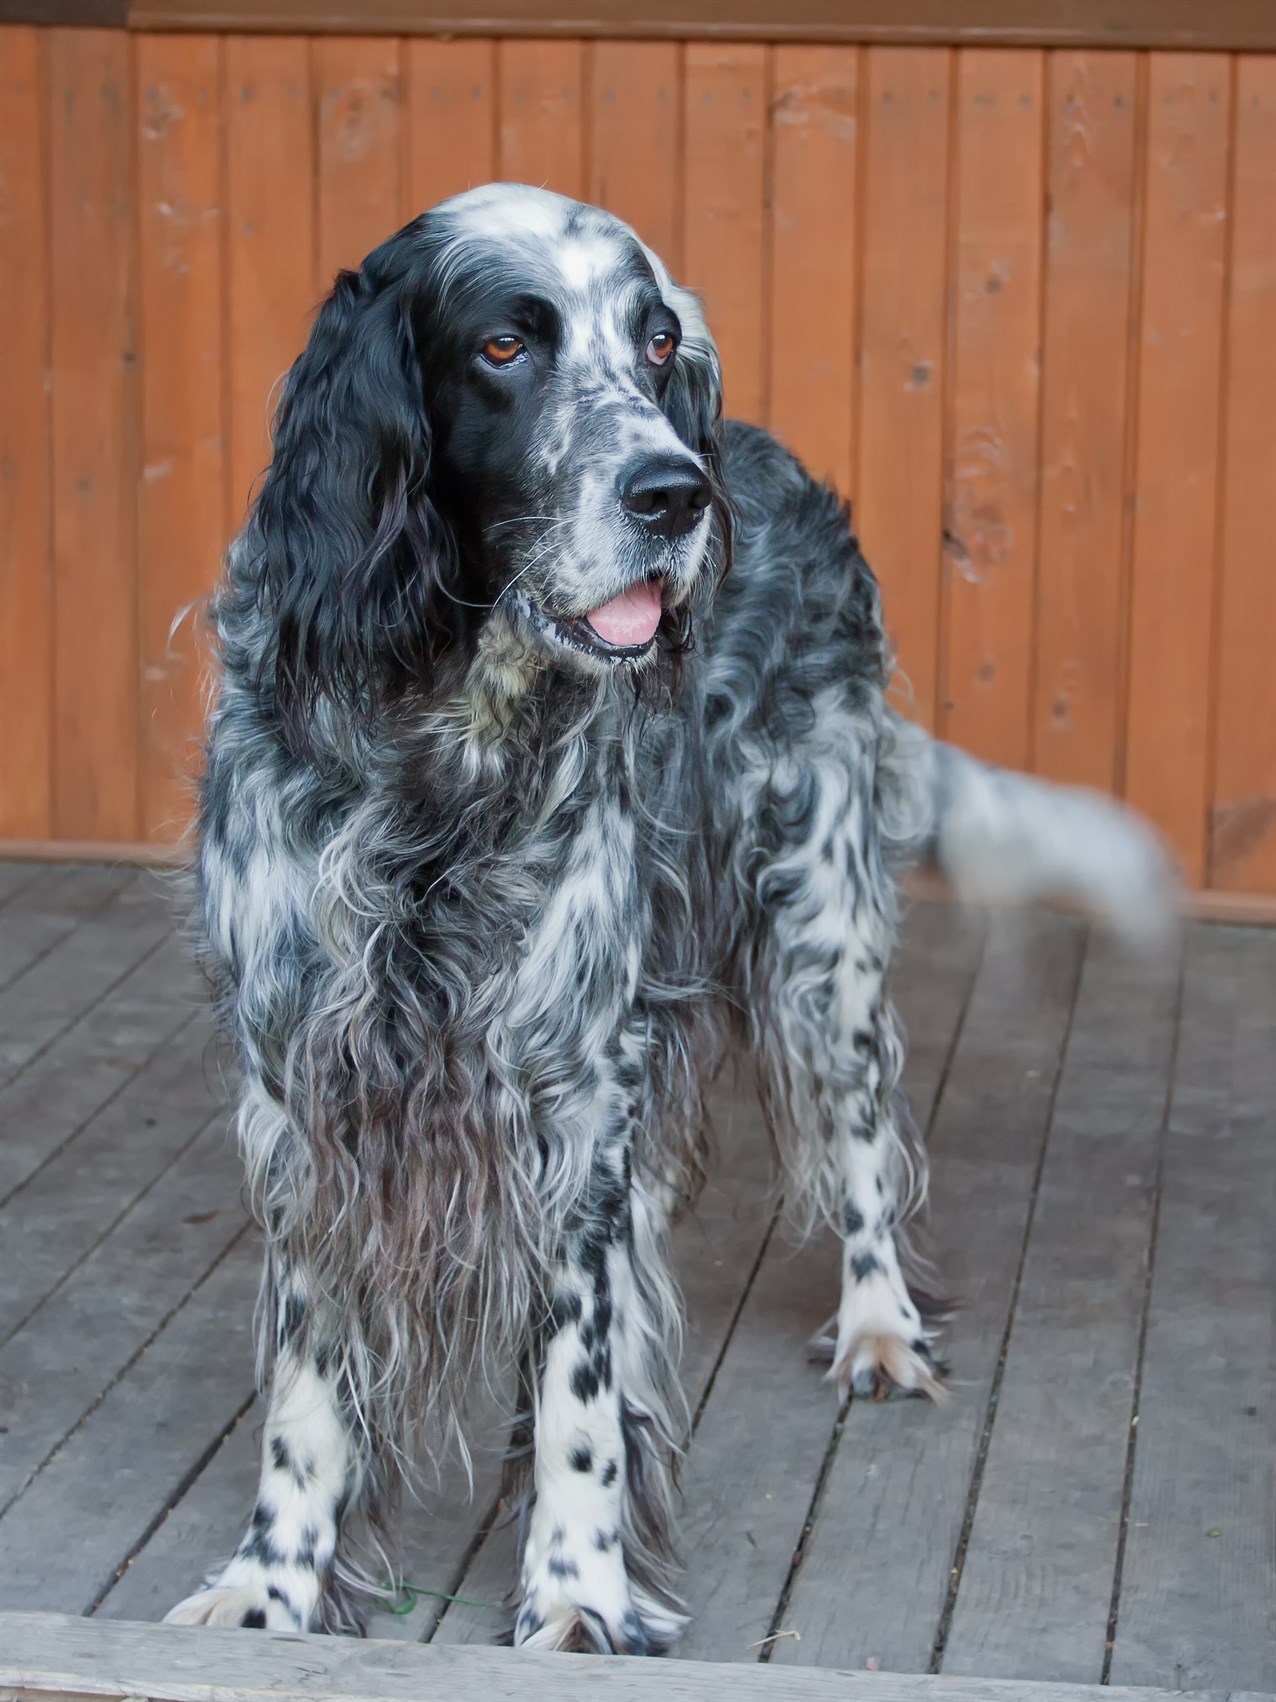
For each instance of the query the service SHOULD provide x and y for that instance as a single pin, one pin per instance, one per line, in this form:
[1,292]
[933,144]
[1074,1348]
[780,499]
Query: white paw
[592,1610]
[877,1344]
[244,1605]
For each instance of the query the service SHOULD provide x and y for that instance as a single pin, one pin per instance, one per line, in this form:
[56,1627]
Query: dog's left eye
[500,351]
[661,347]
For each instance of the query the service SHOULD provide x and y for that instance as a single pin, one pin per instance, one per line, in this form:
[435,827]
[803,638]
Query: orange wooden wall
[1019,304]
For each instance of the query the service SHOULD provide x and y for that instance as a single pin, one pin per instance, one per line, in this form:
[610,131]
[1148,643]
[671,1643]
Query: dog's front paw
[592,1609]
[251,1605]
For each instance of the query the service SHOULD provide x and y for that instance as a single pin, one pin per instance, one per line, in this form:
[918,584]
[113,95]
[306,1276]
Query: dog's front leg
[597,1556]
[280,1577]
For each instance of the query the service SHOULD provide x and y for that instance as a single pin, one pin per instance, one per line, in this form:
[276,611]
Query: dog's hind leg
[597,1558]
[281,1576]
[829,1054]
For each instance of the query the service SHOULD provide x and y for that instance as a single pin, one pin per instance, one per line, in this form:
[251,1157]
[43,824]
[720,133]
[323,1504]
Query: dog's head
[501,435]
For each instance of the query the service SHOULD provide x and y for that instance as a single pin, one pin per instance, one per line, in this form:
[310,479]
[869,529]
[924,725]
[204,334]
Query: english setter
[517,802]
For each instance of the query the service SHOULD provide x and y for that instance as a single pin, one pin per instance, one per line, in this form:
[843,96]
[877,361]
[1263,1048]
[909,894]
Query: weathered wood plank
[101,1494]
[875,1571]
[1036,1584]
[903,349]
[87,1065]
[813,376]
[50,908]
[1199,1579]
[750,1485]
[70,1206]
[15,878]
[54,1654]
[79,1341]
[75,972]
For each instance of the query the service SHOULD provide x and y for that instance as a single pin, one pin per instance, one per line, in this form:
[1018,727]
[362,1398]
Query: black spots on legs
[852,1219]
[862,1040]
[581,1459]
[635,1635]
[280,1455]
[609,1472]
[605,1541]
[865,1265]
[585,1382]
[254,1619]
[285,1602]
[565,1309]
[562,1569]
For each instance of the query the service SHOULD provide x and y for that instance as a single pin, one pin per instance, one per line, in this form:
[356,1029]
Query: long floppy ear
[351,554]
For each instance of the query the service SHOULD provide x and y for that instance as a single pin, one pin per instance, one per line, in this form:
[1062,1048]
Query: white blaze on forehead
[583,259]
[504,209]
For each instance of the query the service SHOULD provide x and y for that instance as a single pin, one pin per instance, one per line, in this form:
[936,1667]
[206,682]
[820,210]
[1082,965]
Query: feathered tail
[997,836]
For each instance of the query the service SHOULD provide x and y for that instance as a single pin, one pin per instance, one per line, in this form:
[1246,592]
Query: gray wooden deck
[1095,1505]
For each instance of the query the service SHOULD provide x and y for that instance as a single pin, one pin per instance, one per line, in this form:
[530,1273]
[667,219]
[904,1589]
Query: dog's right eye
[500,351]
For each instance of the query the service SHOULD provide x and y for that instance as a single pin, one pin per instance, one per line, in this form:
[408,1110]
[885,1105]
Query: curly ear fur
[353,555]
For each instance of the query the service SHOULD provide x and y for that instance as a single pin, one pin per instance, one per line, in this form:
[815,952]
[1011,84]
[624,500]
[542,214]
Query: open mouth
[622,630]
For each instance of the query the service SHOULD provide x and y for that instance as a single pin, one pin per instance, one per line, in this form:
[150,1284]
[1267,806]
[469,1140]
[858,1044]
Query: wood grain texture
[1181,327]
[899,483]
[1037,1577]
[990,554]
[358,150]
[94,393]
[181,500]
[270,240]
[1242,846]
[26,581]
[542,114]
[1199,1580]
[635,155]
[815,231]
[1090,229]
[49,1655]
[450,117]
[724,196]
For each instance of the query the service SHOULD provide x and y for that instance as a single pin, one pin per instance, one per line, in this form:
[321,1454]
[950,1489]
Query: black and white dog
[517,802]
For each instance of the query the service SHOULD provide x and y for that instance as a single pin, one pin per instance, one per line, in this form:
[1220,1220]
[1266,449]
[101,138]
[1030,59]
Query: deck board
[1198,1588]
[1044,1067]
[1039,1564]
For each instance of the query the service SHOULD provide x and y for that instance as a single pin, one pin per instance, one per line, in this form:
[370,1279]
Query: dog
[551,752]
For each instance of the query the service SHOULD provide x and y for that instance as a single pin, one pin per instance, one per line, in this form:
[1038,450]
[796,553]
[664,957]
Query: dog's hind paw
[874,1367]
[250,1605]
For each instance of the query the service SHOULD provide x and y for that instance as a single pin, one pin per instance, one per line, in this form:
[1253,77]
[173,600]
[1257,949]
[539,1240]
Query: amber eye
[500,351]
[661,347]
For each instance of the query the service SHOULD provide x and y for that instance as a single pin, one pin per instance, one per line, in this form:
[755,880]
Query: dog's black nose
[668,493]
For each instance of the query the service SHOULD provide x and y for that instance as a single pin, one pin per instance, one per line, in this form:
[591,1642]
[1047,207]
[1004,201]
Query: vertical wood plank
[724,237]
[635,163]
[814,280]
[359,153]
[899,491]
[95,435]
[1177,459]
[542,133]
[1243,816]
[26,586]
[181,503]
[1078,628]
[270,237]
[991,543]
[450,116]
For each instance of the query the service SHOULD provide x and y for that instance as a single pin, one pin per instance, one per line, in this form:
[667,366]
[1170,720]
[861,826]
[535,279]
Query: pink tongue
[631,618]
